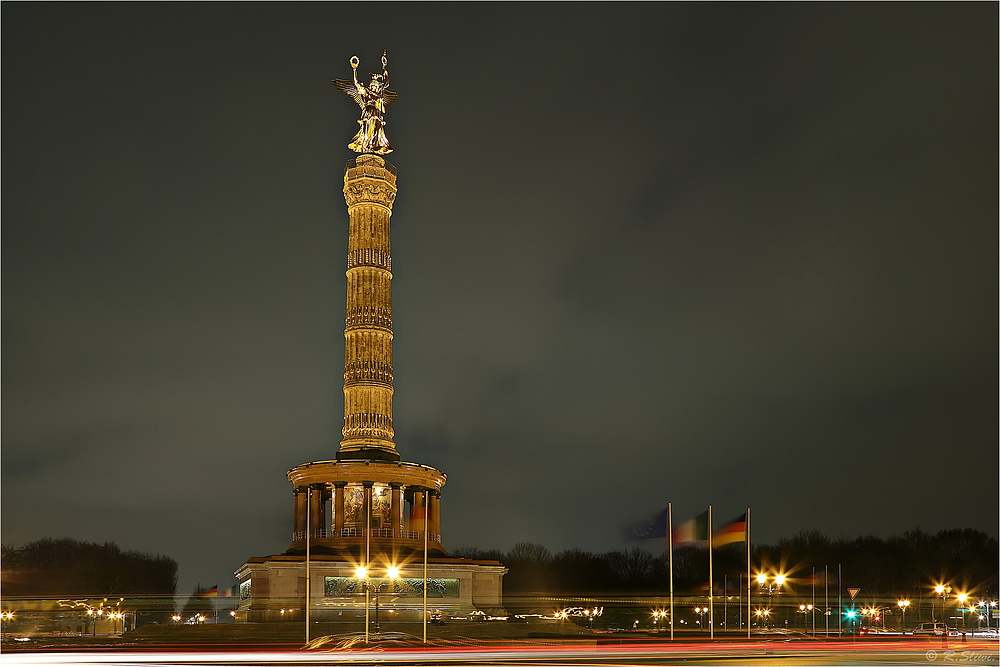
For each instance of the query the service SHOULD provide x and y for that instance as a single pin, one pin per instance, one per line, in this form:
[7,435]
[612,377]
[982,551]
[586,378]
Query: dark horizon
[738,255]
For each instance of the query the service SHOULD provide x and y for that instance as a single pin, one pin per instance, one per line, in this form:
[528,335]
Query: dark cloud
[732,254]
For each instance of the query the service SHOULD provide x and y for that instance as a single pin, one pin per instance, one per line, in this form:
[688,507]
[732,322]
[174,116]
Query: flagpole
[308,534]
[711,597]
[368,554]
[814,601]
[739,590]
[670,548]
[424,508]
[826,593]
[748,572]
[840,603]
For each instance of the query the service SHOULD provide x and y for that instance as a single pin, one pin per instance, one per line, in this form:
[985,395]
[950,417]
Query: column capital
[367,485]
[395,485]
[339,485]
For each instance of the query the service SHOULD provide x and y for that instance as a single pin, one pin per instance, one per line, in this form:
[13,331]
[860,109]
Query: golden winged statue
[373,101]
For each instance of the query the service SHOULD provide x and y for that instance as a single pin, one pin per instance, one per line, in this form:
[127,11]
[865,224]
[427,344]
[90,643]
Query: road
[893,652]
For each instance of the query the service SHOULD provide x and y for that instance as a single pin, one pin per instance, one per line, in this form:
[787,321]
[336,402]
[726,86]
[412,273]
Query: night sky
[739,255]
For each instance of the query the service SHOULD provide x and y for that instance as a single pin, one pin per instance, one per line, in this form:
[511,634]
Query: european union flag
[654,526]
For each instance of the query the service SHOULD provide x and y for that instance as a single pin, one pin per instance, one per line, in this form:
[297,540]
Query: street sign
[853,592]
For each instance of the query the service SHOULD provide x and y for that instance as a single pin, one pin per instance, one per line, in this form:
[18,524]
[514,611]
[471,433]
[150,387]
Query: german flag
[732,532]
[209,592]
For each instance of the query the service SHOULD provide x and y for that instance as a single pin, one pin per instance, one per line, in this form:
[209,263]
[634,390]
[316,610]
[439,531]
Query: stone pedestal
[272,589]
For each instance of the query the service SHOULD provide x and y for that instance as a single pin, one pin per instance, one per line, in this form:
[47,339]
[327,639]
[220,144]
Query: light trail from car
[821,653]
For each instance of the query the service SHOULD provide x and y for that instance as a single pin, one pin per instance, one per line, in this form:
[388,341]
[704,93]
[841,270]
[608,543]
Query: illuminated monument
[367,507]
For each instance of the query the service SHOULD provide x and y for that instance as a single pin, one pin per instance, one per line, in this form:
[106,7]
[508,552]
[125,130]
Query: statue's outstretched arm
[355,89]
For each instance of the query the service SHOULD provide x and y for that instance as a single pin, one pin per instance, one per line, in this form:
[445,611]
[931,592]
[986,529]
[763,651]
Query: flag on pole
[731,532]
[654,526]
[692,531]
[227,592]
[209,592]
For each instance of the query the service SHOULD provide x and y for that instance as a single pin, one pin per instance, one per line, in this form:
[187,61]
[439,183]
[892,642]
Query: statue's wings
[389,96]
[349,88]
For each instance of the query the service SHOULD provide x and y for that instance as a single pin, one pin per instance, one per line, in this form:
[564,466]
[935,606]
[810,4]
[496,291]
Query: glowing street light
[805,610]
[962,597]
[903,604]
[943,591]
[362,574]
[771,586]
[701,611]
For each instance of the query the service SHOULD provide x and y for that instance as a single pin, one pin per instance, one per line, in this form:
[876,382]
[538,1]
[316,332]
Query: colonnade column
[417,510]
[316,510]
[435,514]
[300,511]
[395,507]
[367,507]
[338,508]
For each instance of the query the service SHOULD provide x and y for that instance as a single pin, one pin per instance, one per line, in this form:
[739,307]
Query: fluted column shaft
[369,190]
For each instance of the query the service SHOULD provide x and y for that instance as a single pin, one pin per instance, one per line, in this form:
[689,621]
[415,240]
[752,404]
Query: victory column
[367,509]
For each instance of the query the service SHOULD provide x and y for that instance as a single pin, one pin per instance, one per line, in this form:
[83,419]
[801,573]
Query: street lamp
[7,616]
[762,616]
[943,591]
[362,576]
[875,614]
[770,586]
[903,604]
[805,610]
[701,611]
[985,612]
[962,597]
